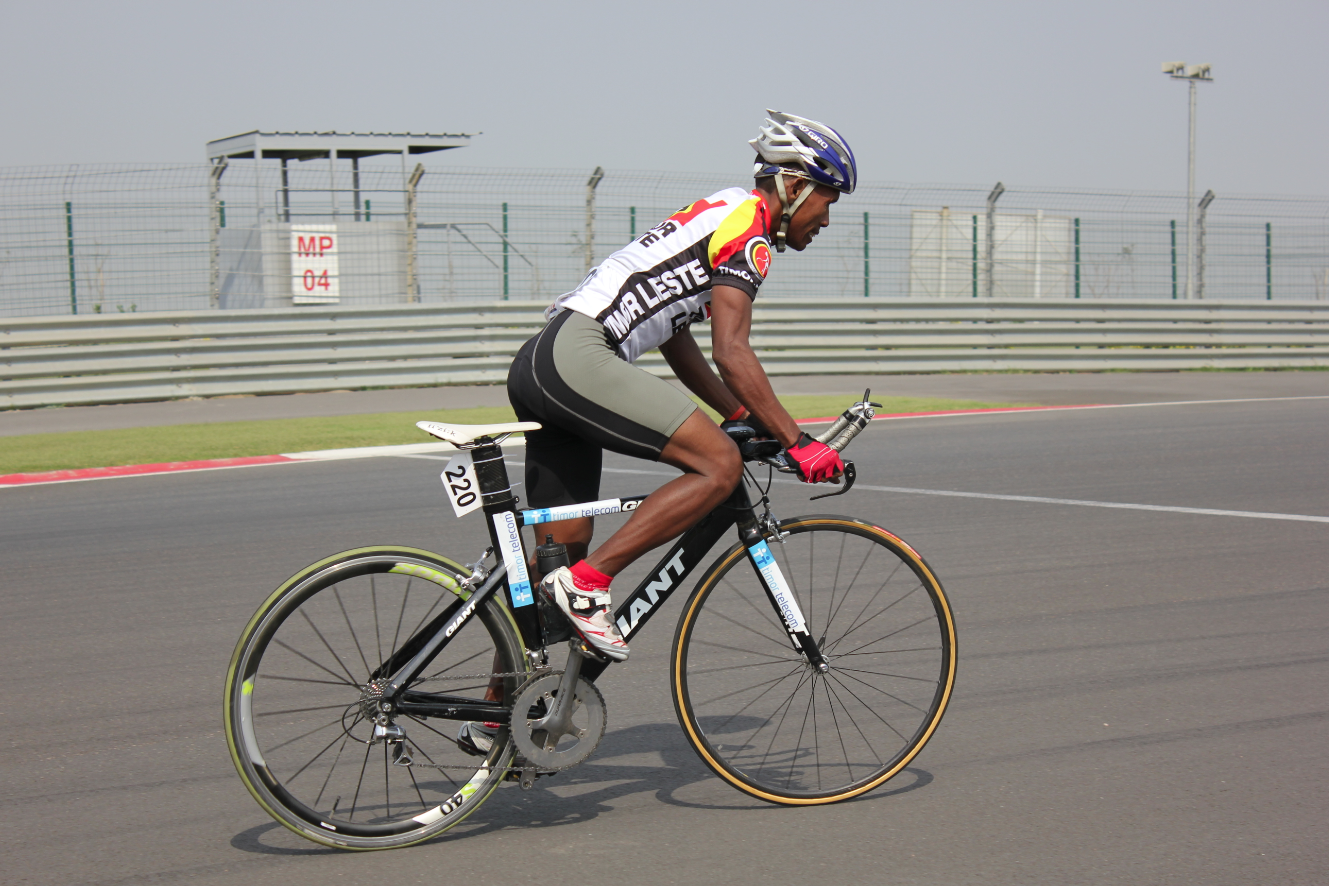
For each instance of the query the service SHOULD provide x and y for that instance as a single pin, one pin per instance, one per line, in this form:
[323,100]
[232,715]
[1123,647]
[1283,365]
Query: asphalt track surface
[1143,695]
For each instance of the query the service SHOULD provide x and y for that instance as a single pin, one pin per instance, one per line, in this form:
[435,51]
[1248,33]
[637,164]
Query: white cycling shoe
[589,611]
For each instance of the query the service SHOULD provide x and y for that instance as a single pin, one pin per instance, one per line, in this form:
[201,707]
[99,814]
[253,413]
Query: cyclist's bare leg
[712,468]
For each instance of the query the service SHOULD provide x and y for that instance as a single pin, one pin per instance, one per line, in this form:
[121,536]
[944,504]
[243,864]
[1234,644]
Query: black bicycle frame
[505,522]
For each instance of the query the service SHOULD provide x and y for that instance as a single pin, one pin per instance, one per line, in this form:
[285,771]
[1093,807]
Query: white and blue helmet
[802,148]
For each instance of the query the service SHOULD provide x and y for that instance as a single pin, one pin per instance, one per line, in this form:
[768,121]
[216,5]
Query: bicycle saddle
[460,434]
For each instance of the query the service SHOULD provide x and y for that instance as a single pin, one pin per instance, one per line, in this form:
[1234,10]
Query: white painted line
[1036,499]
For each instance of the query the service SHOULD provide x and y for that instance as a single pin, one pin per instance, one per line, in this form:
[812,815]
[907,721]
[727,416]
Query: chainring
[534,699]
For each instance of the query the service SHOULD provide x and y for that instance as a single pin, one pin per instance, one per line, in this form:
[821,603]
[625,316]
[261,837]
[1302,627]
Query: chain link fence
[131,238]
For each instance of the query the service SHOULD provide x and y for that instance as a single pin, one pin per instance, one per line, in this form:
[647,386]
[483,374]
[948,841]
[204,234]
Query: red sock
[588,578]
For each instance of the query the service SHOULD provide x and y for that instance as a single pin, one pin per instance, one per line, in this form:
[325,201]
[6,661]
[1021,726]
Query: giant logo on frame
[759,256]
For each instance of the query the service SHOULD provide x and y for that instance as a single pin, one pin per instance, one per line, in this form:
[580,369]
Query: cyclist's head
[793,153]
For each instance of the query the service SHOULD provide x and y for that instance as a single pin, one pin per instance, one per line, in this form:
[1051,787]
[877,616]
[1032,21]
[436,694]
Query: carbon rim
[295,720]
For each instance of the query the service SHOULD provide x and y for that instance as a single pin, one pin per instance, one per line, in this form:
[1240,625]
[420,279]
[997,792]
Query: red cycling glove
[816,461]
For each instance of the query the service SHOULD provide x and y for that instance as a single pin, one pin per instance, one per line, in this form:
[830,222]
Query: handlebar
[845,428]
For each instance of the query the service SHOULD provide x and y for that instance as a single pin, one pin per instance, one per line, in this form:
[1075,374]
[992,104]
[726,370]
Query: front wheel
[773,726]
[299,708]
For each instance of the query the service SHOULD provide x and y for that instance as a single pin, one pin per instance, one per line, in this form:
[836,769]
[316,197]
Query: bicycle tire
[294,690]
[733,701]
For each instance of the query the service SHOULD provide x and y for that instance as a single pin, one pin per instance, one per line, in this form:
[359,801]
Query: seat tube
[779,591]
[505,531]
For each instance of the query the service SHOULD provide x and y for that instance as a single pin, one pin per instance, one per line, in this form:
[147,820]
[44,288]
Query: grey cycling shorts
[571,380]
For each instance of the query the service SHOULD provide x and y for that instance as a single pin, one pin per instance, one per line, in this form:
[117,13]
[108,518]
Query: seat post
[504,524]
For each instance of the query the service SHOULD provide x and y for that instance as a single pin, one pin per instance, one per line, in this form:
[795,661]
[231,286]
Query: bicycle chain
[439,766]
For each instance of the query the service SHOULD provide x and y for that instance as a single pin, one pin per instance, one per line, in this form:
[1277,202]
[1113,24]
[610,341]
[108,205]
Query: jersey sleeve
[739,253]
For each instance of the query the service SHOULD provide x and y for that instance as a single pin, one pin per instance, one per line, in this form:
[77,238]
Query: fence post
[69,245]
[412,284]
[1199,243]
[1268,261]
[591,185]
[975,260]
[218,212]
[1173,224]
[1077,258]
[867,267]
[992,228]
[632,223]
[505,252]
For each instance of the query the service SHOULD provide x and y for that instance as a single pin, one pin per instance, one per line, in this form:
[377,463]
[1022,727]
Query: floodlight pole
[1194,74]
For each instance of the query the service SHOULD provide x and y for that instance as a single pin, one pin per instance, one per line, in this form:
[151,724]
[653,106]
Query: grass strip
[32,453]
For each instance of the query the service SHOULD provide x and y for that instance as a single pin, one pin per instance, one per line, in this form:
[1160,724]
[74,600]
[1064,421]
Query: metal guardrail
[129,357]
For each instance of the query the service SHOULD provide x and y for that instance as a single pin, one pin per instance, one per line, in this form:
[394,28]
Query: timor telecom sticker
[784,595]
[509,539]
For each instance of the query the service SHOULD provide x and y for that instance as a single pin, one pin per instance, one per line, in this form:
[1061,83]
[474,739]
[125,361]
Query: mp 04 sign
[314,271]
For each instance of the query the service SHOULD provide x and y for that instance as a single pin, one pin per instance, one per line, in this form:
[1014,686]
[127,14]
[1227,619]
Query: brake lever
[850,474]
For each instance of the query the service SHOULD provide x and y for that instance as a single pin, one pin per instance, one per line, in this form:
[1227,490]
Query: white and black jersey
[661,282]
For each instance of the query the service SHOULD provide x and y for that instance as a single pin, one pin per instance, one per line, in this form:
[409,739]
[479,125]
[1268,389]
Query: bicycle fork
[780,592]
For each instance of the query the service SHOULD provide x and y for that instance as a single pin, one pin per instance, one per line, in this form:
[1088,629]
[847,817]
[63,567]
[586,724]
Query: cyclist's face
[811,217]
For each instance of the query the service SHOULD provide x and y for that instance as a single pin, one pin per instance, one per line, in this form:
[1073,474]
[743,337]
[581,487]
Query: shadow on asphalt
[592,789]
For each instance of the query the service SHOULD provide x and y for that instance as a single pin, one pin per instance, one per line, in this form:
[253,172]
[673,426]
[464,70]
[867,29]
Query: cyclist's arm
[684,356]
[731,324]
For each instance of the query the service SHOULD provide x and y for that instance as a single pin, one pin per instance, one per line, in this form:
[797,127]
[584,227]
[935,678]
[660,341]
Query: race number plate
[459,480]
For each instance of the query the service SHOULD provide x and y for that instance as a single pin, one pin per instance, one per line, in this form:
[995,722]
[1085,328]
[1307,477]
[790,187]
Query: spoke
[787,705]
[337,682]
[852,720]
[373,596]
[884,692]
[711,701]
[415,784]
[416,745]
[387,786]
[858,624]
[727,647]
[888,674]
[336,722]
[322,707]
[755,664]
[893,633]
[754,701]
[869,707]
[326,644]
[831,608]
[853,580]
[294,651]
[798,744]
[936,648]
[311,761]
[406,595]
[854,623]
[835,722]
[356,799]
[750,629]
[331,769]
[336,592]
[764,613]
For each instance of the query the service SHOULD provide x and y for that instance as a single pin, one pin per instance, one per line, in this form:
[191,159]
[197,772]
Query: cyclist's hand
[816,461]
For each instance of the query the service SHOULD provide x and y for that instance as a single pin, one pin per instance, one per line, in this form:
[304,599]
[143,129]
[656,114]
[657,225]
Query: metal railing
[116,358]
[132,238]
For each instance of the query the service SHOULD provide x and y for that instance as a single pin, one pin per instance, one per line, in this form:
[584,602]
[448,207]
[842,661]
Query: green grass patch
[32,453]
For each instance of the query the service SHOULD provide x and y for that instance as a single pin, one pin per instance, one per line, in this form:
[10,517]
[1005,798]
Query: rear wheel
[299,700]
[773,726]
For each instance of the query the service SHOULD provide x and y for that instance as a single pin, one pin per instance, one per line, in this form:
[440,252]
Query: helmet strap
[787,209]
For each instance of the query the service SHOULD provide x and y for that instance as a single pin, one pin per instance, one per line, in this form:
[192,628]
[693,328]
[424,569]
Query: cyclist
[576,377]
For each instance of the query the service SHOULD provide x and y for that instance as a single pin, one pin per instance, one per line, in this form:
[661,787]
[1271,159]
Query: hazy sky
[1034,93]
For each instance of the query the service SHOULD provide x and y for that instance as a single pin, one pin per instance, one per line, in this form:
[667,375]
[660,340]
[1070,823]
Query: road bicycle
[811,663]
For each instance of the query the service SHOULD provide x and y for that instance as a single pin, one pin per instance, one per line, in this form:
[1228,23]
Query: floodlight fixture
[1192,74]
